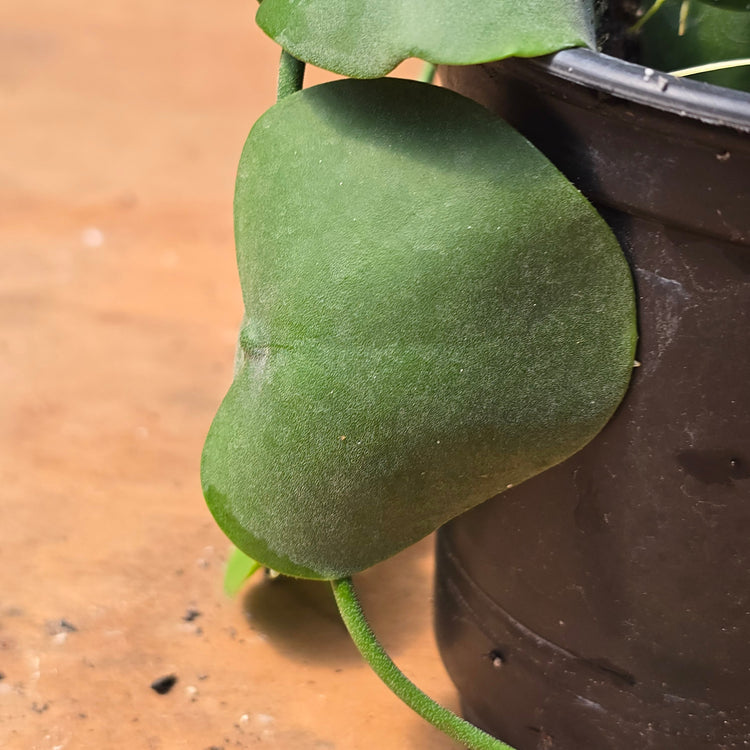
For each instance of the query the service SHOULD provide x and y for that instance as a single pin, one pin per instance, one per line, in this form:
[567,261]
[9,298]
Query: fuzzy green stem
[684,13]
[427,74]
[710,67]
[636,27]
[291,75]
[364,639]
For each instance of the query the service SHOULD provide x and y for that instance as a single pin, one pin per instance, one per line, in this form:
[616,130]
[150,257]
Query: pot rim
[697,100]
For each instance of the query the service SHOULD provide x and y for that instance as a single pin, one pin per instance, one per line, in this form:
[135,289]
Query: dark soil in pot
[605,604]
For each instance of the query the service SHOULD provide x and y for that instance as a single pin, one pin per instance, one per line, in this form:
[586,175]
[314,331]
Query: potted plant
[434,313]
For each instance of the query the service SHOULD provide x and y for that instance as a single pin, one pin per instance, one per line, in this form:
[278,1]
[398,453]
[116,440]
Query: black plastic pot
[606,603]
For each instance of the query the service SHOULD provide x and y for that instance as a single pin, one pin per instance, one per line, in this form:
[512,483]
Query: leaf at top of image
[367,39]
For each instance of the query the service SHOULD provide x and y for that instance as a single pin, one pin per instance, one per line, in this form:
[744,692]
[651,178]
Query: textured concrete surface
[121,123]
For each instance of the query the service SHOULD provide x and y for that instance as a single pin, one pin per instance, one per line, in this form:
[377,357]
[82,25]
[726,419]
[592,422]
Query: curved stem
[646,16]
[427,75]
[710,67]
[291,75]
[364,639]
[684,13]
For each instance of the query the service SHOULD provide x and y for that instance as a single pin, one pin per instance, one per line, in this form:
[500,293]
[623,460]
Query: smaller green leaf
[368,38]
[708,33]
[239,568]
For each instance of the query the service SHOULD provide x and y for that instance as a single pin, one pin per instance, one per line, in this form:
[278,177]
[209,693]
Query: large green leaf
[433,313]
[368,38]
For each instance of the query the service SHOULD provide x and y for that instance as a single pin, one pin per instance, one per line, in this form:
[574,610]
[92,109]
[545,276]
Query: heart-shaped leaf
[433,313]
[368,38]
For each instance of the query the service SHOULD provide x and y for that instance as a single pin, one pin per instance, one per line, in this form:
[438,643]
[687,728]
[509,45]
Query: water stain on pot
[613,673]
[714,466]
[739,257]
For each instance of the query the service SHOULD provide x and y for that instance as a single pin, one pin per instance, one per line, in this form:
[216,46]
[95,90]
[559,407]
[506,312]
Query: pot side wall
[604,604]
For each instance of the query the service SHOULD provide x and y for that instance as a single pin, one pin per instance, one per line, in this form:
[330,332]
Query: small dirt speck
[39,709]
[55,627]
[191,614]
[497,659]
[163,685]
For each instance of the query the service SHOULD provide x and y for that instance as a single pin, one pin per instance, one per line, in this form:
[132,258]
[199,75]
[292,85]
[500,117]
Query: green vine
[374,654]
[291,75]
[695,70]
[638,25]
[427,74]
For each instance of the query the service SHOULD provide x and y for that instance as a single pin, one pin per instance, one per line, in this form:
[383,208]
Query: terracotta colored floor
[121,123]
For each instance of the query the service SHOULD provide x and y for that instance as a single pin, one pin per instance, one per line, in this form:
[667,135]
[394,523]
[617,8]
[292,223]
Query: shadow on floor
[300,617]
